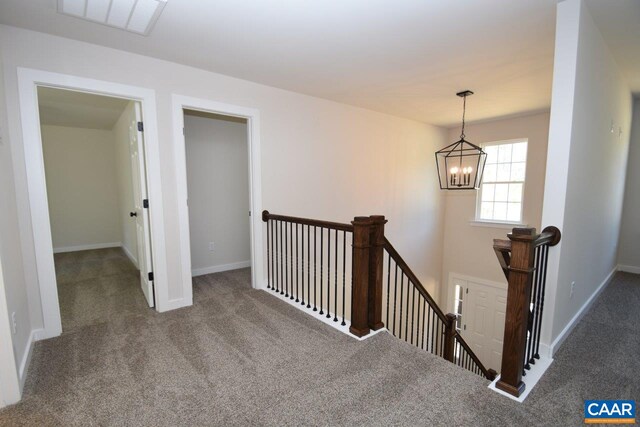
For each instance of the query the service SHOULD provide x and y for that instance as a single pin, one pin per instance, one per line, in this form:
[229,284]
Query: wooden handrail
[448,319]
[413,279]
[266,216]
[550,236]
[367,266]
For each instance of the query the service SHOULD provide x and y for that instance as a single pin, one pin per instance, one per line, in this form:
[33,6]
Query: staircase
[350,274]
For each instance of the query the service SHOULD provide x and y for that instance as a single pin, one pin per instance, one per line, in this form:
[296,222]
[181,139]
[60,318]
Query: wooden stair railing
[308,263]
[425,324]
[523,259]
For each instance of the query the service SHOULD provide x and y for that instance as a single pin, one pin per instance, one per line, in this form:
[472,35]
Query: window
[500,195]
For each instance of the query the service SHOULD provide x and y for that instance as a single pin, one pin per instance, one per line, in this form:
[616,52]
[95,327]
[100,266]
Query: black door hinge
[145,203]
[151,276]
[140,127]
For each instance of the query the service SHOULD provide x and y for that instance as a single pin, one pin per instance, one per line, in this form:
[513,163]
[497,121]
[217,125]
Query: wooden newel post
[376,240]
[449,338]
[360,289]
[521,270]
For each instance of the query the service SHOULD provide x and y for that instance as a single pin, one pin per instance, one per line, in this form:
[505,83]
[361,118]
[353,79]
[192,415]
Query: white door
[141,203]
[482,319]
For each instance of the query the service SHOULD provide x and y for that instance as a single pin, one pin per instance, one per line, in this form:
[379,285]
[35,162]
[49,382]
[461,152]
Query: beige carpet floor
[241,357]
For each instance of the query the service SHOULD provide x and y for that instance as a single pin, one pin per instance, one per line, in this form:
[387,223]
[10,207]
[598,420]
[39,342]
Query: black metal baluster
[418,322]
[329,275]
[344,273]
[406,324]
[401,299]
[545,253]
[268,257]
[297,266]
[286,257]
[315,259]
[395,298]
[321,265]
[388,285]
[335,282]
[433,330]
[302,271]
[308,266]
[413,309]
[280,255]
[536,304]
[291,255]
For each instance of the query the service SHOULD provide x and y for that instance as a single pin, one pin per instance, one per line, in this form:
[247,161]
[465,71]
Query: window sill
[497,224]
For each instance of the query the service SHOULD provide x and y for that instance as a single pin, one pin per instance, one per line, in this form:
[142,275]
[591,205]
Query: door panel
[139,177]
[483,317]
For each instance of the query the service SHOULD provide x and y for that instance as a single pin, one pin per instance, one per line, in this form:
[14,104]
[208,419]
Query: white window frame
[495,222]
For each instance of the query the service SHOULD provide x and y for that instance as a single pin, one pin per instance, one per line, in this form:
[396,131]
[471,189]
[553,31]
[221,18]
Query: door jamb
[28,81]
[179,103]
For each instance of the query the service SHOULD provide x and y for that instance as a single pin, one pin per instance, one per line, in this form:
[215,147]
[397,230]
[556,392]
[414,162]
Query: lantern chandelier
[460,165]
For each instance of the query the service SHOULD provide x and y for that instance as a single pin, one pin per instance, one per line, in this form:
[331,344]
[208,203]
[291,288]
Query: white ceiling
[60,107]
[406,58]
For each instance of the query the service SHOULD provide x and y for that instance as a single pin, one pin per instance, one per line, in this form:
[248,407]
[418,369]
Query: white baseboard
[87,247]
[555,345]
[129,255]
[629,269]
[26,358]
[219,268]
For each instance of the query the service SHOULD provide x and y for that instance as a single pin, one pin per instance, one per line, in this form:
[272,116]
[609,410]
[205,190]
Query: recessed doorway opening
[96,182]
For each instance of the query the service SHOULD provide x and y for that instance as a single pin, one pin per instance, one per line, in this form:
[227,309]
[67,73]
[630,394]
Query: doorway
[93,150]
[232,115]
[28,82]
[217,165]
[480,308]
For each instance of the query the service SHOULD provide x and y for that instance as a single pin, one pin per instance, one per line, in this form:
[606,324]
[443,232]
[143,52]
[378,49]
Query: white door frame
[179,103]
[28,81]
[9,381]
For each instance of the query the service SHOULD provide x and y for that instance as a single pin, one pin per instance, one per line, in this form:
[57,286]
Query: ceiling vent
[136,16]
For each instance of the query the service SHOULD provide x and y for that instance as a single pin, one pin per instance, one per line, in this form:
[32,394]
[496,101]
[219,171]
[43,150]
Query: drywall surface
[218,191]
[319,158]
[586,166]
[629,248]
[125,183]
[80,167]
[14,278]
[468,248]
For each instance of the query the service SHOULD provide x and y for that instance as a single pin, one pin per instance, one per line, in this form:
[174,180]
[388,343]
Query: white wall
[16,293]
[586,166]
[468,249]
[80,166]
[126,204]
[319,158]
[218,186]
[629,249]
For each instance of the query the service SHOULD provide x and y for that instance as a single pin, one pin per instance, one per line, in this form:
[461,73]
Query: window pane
[504,172]
[517,171]
[489,173]
[500,211]
[504,153]
[492,153]
[487,192]
[519,152]
[502,192]
[515,193]
[486,211]
[513,211]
